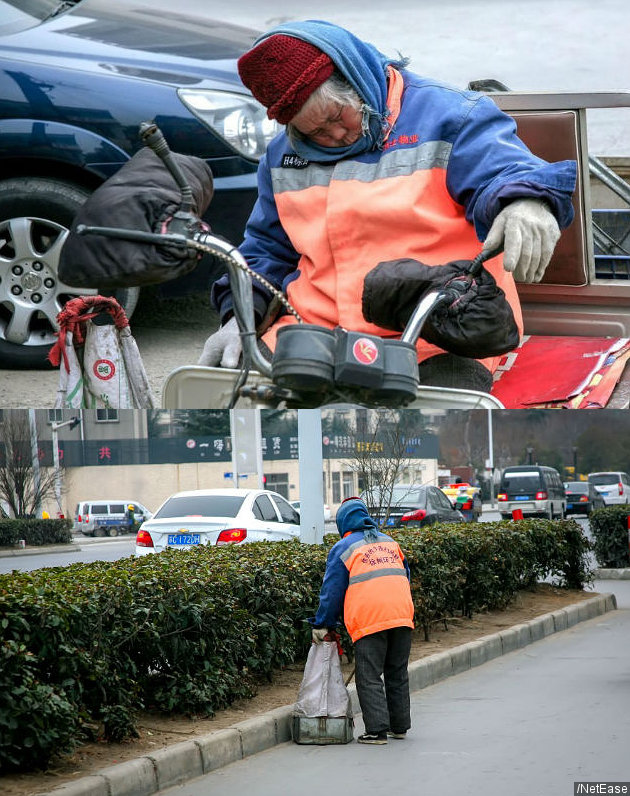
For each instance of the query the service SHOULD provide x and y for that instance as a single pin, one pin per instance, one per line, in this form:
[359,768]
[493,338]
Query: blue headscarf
[363,66]
[353,515]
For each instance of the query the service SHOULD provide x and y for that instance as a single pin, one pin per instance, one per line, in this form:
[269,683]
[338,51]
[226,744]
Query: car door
[264,528]
[289,524]
[441,506]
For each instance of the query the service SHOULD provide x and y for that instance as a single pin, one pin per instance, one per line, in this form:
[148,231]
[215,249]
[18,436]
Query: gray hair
[334,90]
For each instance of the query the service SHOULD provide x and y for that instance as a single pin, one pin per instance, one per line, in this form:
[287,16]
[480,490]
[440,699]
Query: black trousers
[382,679]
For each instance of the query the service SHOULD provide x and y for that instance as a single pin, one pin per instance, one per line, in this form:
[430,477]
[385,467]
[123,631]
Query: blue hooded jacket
[352,520]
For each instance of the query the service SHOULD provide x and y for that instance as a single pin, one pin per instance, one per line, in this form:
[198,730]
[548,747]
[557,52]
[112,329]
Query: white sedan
[218,517]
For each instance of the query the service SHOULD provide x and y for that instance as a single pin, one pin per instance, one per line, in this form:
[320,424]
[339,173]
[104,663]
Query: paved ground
[531,722]
[534,718]
[162,350]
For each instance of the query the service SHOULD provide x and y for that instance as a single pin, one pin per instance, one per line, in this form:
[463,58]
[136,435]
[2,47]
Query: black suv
[76,80]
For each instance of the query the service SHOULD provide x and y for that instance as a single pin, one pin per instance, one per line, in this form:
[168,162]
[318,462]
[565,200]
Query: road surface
[530,723]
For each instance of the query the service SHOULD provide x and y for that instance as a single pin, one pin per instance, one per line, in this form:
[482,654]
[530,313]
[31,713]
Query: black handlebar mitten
[478,323]
[141,196]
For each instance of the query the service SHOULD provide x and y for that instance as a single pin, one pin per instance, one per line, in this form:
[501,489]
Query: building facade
[135,456]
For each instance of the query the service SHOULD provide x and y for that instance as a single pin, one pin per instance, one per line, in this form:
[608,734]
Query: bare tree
[380,458]
[23,485]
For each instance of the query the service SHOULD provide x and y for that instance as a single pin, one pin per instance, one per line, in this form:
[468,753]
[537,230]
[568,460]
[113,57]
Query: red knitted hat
[282,72]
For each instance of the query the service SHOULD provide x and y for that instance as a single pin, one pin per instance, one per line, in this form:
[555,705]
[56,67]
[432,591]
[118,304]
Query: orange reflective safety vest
[360,214]
[378,596]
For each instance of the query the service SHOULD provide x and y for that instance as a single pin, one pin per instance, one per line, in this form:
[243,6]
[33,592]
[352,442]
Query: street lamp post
[72,423]
[491,457]
[530,452]
[575,469]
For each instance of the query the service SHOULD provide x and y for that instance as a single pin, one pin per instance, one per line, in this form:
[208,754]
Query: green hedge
[472,567]
[35,531]
[84,647]
[609,527]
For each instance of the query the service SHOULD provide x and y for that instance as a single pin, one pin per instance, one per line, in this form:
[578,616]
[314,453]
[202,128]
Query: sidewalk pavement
[73,547]
[179,763]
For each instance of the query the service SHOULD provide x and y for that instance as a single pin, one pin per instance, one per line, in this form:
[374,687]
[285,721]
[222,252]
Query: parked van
[535,490]
[107,517]
[614,487]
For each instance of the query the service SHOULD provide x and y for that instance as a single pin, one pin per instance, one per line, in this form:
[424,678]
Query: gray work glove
[223,347]
[527,231]
[319,634]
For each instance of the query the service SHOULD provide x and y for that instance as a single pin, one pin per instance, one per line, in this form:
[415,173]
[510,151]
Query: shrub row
[609,527]
[35,531]
[84,647]
[472,567]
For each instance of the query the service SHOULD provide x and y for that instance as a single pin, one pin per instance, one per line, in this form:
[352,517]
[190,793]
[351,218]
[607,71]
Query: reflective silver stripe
[377,573]
[396,163]
[299,179]
[350,550]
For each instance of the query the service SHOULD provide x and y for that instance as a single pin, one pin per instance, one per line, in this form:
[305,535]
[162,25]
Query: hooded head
[353,516]
[282,72]
[289,62]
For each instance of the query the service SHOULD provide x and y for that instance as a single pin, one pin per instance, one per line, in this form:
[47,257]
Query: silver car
[218,517]
[614,486]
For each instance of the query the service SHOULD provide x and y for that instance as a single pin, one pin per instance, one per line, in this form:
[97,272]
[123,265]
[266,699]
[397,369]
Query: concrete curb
[180,762]
[612,574]
[75,546]
[10,552]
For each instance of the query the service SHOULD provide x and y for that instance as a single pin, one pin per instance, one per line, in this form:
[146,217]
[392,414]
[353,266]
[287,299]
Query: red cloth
[73,317]
[553,370]
[282,72]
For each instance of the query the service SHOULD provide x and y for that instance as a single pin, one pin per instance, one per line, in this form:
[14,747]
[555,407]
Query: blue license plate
[184,538]
[569,505]
[522,497]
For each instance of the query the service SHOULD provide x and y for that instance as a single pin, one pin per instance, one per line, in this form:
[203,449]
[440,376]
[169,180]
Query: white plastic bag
[323,691]
[99,364]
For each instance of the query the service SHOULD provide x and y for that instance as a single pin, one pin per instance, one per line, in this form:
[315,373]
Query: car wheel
[114,530]
[100,531]
[35,216]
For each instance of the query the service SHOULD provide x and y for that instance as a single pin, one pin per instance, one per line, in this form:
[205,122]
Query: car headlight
[240,120]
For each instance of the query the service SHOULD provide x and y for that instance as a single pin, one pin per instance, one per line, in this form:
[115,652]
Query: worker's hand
[527,231]
[223,347]
[319,634]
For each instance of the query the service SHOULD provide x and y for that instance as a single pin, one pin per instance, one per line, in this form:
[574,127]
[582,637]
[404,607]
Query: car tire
[100,531]
[113,530]
[35,216]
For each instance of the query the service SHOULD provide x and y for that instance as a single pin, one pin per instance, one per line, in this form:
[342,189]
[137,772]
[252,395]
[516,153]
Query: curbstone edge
[176,763]
[218,749]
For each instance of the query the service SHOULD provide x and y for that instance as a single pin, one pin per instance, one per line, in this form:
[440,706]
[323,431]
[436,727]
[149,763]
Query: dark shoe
[373,737]
[400,735]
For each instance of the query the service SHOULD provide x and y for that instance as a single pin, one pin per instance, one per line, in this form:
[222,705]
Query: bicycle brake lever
[474,269]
